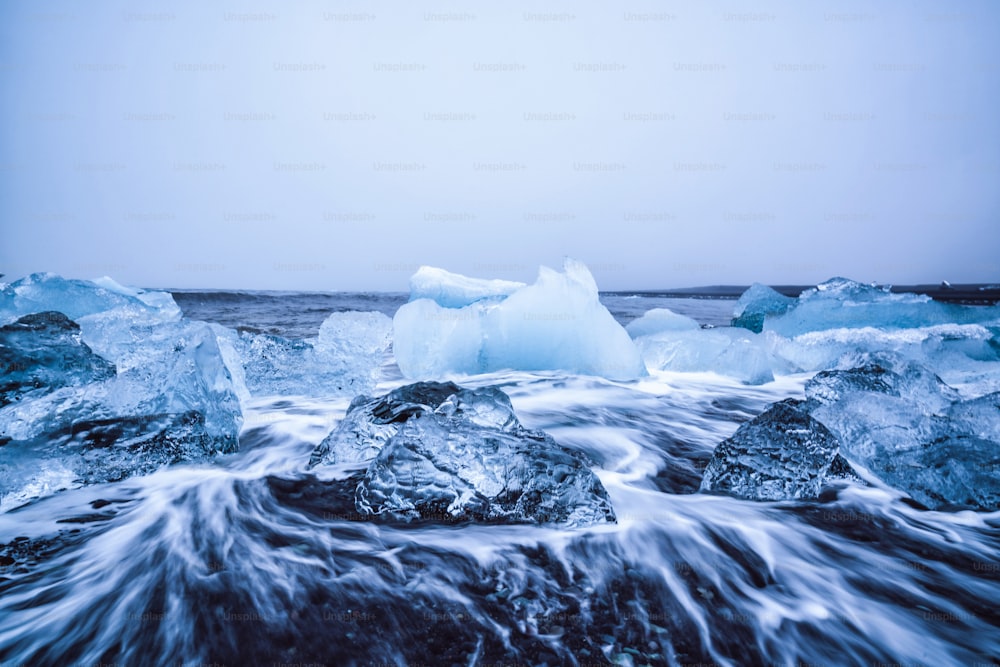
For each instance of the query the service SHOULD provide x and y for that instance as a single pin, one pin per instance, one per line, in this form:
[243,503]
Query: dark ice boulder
[437,451]
[758,303]
[42,352]
[783,454]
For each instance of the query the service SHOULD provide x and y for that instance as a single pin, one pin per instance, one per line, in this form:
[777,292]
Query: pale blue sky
[339,145]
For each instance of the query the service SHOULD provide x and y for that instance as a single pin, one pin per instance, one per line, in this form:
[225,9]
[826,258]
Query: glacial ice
[558,323]
[132,388]
[452,290]
[728,351]
[758,303]
[43,352]
[660,319]
[842,303]
[783,454]
[912,431]
[343,359]
[43,292]
[438,451]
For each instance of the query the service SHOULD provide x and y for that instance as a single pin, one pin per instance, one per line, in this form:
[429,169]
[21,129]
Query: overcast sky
[339,145]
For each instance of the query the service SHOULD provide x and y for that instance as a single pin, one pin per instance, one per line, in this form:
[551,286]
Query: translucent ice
[911,430]
[41,292]
[660,319]
[43,352]
[728,351]
[843,303]
[133,388]
[556,323]
[437,451]
[758,303]
[343,359]
[783,454]
[452,290]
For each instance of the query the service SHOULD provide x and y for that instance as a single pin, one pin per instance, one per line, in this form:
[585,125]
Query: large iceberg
[436,451]
[344,359]
[558,323]
[453,290]
[134,388]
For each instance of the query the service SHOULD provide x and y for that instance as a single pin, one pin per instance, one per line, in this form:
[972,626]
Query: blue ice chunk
[758,303]
[452,290]
[660,319]
[558,323]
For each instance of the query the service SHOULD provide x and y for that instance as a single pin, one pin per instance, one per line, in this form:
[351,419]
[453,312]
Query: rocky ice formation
[436,451]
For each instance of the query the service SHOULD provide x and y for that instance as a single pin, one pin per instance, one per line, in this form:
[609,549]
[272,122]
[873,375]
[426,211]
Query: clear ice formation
[436,451]
[133,388]
[783,454]
[344,359]
[842,303]
[758,303]
[912,431]
[558,323]
[902,425]
[42,352]
[453,290]
[830,327]
[660,319]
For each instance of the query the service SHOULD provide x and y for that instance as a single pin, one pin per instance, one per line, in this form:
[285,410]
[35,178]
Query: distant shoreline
[970,294]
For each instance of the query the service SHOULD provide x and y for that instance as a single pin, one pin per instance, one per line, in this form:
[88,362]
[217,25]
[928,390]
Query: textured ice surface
[911,430]
[758,303]
[783,454]
[140,388]
[660,319]
[843,303]
[728,351]
[344,359]
[370,422]
[437,451]
[41,292]
[453,290]
[43,352]
[558,323]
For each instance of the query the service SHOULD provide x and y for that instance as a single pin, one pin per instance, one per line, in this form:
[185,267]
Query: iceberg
[436,451]
[841,303]
[758,303]
[453,290]
[660,319]
[558,323]
[783,454]
[344,359]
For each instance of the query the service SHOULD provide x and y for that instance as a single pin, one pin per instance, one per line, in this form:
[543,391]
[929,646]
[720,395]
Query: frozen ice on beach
[558,323]
[453,290]
[728,351]
[783,454]
[660,319]
[42,292]
[758,303]
[912,431]
[343,360]
[437,451]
